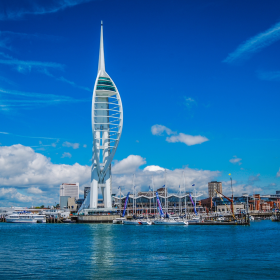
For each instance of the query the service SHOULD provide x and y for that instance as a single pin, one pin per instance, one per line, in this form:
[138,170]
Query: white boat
[21,218]
[195,219]
[118,220]
[137,222]
[26,218]
[146,222]
[170,222]
[39,218]
[132,222]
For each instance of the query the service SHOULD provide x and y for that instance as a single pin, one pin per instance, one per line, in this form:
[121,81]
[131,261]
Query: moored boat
[170,222]
[26,218]
[146,222]
[132,222]
[40,218]
[21,218]
[119,220]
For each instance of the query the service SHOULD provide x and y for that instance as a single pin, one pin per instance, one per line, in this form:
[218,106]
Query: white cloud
[278,173]
[23,66]
[65,154]
[8,133]
[72,145]
[158,129]
[181,137]
[174,178]
[26,66]
[236,160]
[34,190]
[21,166]
[84,146]
[62,79]
[27,99]
[187,139]
[239,189]
[255,44]
[12,195]
[153,168]
[128,165]
[14,9]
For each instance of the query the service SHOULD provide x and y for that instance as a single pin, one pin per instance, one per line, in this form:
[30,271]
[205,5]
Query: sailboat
[132,222]
[170,221]
[167,220]
[136,221]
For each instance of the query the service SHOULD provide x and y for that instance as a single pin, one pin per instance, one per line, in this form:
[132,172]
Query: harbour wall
[100,219]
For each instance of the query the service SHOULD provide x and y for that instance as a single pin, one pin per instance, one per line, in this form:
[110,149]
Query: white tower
[107,123]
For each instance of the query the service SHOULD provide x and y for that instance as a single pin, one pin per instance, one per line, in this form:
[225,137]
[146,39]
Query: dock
[213,223]
[96,219]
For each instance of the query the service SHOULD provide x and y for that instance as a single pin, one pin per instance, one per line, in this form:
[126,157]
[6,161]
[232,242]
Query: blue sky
[199,82]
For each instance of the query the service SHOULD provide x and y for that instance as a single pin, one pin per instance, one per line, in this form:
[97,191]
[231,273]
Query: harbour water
[107,251]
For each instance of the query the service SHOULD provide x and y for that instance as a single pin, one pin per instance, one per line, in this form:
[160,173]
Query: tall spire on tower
[101,63]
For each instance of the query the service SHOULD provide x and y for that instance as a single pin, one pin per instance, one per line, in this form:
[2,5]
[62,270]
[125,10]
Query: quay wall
[100,219]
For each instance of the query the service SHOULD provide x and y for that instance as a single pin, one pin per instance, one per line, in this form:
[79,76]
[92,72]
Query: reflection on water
[102,247]
[104,251]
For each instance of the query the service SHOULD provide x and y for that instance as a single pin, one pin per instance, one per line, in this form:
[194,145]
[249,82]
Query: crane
[231,203]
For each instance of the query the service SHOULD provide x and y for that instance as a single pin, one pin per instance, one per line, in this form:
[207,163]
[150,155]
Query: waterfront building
[71,190]
[146,202]
[5,211]
[63,202]
[237,208]
[107,123]
[213,186]
[66,191]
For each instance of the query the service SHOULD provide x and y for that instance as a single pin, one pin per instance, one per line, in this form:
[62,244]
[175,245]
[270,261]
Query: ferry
[26,218]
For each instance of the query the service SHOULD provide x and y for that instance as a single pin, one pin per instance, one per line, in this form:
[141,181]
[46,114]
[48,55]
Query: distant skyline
[199,82]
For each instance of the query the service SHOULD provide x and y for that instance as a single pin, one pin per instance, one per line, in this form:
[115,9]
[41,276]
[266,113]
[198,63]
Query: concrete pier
[100,219]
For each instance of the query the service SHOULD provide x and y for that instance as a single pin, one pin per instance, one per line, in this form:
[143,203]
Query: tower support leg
[107,192]
[94,194]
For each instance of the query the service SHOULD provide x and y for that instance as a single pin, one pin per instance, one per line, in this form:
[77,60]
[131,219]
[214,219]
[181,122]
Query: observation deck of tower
[107,123]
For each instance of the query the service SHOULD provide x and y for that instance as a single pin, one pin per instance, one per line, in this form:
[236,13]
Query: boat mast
[185,193]
[153,194]
[150,200]
[133,194]
[166,205]
[180,201]
[120,202]
[195,197]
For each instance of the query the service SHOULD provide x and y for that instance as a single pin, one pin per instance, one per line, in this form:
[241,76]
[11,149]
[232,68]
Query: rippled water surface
[106,251]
